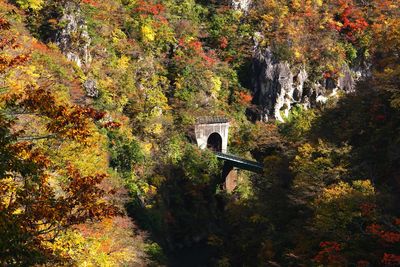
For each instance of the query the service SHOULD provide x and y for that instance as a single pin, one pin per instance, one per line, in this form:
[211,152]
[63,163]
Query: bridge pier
[230,177]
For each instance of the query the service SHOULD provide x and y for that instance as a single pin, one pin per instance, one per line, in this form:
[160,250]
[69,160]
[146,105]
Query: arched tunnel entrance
[214,142]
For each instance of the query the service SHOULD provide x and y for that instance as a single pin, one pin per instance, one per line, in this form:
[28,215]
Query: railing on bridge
[241,163]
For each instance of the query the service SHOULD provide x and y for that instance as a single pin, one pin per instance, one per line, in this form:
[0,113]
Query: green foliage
[155,252]
[316,166]
[298,124]
[124,153]
[339,205]
[199,166]
[174,149]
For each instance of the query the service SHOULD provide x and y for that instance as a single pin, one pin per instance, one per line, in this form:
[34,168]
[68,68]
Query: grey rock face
[346,82]
[277,87]
[90,86]
[241,4]
[73,39]
[273,85]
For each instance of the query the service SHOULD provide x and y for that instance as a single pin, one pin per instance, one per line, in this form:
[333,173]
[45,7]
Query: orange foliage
[65,121]
[39,46]
[90,2]
[245,98]
[112,125]
[28,201]
[223,42]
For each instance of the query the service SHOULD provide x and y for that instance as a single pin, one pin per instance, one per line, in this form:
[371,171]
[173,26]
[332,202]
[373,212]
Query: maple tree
[33,212]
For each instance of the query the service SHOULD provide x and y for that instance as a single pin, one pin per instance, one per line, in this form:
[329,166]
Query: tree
[38,201]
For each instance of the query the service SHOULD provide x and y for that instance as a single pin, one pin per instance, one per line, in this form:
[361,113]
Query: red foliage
[4,24]
[331,74]
[387,236]
[148,8]
[391,238]
[112,125]
[363,263]
[391,259]
[329,253]
[380,117]
[95,114]
[367,209]
[351,20]
[194,49]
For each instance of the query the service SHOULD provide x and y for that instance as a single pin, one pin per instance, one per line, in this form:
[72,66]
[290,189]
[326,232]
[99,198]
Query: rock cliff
[73,38]
[277,87]
[241,4]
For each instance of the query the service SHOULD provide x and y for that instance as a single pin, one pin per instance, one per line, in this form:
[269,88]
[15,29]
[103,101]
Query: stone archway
[214,142]
[212,133]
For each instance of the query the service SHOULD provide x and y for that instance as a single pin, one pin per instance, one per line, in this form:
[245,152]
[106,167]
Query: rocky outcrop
[73,39]
[241,4]
[90,86]
[277,87]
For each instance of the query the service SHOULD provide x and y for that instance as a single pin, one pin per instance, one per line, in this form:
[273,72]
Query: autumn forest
[100,163]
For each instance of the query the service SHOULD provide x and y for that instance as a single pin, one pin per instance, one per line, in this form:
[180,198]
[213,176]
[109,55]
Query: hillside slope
[98,160]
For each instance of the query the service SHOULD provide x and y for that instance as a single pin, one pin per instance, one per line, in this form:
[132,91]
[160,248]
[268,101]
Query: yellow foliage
[342,189]
[336,192]
[123,63]
[35,5]
[90,158]
[148,34]
[179,81]
[147,147]
[297,54]
[365,187]
[7,187]
[338,205]
[217,83]
[21,77]
[118,35]
[104,244]
[296,4]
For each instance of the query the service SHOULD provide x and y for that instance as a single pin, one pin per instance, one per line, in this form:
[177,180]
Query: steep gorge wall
[73,38]
[74,42]
[277,87]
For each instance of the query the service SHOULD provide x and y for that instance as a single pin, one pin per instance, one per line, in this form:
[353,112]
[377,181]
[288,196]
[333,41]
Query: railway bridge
[212,133]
